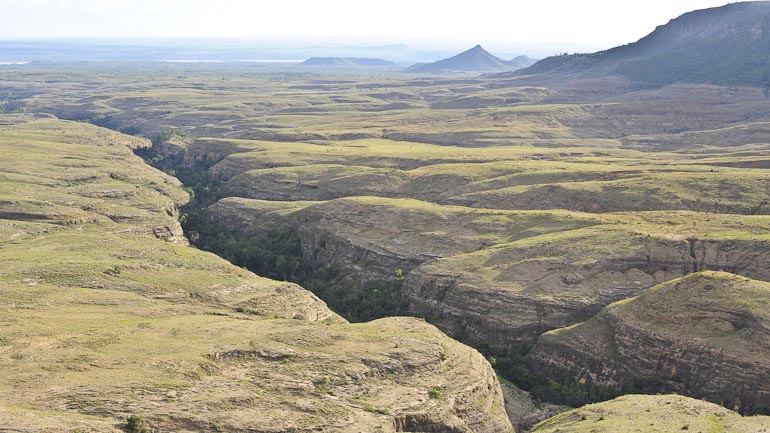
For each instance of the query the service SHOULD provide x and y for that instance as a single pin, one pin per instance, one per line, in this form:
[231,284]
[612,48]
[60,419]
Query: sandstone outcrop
[706,335]
[512,292]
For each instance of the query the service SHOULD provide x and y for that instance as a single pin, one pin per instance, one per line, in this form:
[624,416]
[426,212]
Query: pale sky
[595,23]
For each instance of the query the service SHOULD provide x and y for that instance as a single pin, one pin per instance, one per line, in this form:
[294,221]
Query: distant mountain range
[477,59]
[391,56]
[203,50]
[723,45]
[348,62]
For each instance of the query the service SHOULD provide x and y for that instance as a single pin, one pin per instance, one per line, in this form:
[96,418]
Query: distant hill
[477,59]
[355,62]
[723,45]
[521,62]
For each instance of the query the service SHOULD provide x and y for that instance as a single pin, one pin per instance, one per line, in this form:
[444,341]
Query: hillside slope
[724,45]
[653,413]
[476,59]
[519,62]
[349,62]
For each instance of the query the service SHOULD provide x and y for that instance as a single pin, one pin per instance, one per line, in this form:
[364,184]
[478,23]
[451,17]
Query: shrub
[136,424]
[277,254]
[435,393]
[322,385]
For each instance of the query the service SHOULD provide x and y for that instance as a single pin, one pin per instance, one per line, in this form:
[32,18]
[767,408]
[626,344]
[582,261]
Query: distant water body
[12,63]
[227,61]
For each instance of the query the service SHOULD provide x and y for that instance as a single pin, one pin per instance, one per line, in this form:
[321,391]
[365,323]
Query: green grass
[663,413]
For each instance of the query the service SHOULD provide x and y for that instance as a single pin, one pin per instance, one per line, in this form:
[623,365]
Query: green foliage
[377,410]
[559,388]
[6,105]
[381,298]
[322,385]
[179,134]
[278,255]
[159,156]
[435,393]
[509,363]
[136,424]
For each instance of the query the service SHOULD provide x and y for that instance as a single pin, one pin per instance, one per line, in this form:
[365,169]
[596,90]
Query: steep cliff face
[369,238]
[705,335]
[510,293]
[104,319]
[744,20]
[653,413]
[507,276]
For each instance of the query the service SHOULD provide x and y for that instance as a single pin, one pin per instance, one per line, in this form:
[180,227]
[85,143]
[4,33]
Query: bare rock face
[512,292]
[525,412]
[506,276]
[653,413]
[706,335]
[370,238]
[206,153]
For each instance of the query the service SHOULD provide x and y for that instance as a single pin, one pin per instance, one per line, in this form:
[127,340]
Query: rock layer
[706,335]
[511,292]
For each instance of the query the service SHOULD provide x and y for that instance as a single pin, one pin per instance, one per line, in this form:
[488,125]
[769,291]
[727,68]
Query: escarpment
[705,335]
[513,292]
[506,276]
[523,288]
[368,238]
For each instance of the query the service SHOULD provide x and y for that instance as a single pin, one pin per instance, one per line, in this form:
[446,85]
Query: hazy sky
[594,23]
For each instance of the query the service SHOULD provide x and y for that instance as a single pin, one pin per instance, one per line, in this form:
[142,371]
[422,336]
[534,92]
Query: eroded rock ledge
[706,335]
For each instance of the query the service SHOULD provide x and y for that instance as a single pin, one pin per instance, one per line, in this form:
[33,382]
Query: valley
[110,320]
[251,248]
